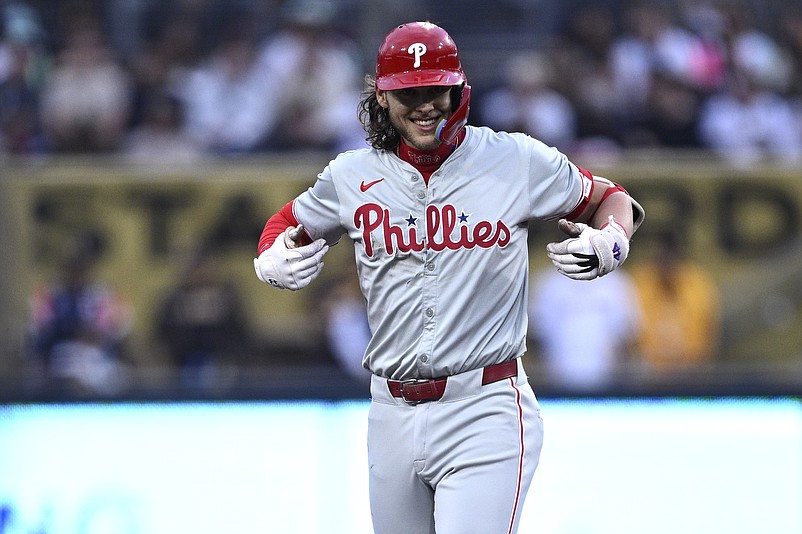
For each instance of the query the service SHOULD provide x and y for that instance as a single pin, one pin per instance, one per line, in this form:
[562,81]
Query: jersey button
[414,177]
[430,266]
[429,312]
[424,358]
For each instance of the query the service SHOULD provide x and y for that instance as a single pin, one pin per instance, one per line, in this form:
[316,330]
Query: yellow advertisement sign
[744,227]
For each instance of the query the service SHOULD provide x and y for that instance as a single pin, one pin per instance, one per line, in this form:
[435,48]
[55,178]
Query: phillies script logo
[442,225]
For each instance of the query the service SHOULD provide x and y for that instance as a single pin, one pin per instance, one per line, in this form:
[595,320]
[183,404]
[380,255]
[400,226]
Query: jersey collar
[427,161]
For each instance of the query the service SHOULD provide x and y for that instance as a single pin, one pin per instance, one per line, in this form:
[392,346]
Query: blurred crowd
[724,76]
[179,80]
[198,78]
[81,327]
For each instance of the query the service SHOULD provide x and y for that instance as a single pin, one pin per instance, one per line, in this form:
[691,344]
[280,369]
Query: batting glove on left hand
[589,253]
[290,268]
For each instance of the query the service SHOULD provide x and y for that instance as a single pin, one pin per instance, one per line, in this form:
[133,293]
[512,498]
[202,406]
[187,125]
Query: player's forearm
[617,204]
[277,224]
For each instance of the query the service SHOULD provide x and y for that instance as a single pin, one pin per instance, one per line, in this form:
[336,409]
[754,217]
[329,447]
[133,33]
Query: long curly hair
[376,120]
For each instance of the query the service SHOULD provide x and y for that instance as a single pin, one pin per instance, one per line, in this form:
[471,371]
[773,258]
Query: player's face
[416,112]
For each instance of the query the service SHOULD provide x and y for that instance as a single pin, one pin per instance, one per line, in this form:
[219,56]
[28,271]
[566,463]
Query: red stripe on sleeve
[587,192]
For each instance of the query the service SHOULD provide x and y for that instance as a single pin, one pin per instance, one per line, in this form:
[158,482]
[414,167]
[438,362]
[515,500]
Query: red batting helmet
[417,54]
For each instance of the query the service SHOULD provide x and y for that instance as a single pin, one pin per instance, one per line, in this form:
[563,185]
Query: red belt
[420,390]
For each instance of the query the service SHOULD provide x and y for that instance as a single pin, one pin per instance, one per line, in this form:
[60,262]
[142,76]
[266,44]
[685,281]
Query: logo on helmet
[417,49]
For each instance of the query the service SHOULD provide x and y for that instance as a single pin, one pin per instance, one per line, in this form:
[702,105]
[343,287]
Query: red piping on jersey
[520,457]
[583,204]
[574,215]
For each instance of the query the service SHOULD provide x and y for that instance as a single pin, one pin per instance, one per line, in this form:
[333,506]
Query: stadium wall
[742,225]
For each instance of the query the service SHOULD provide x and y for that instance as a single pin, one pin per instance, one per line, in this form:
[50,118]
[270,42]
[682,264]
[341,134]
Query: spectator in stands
[228,99]
[747,123]
[662,66]
[152,76]
[527,102]
[670,117]
[757,54]
[695,50]
[24,65]
[581,59]
[86,99]
[632,55]
[160,137]
[178,43]
[203,325]
[583,348]
[789,35]
[318,74]
[750,118]
[78,327]
[681,308]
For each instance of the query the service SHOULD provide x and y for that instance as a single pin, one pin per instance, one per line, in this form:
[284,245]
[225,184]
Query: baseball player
[438,211]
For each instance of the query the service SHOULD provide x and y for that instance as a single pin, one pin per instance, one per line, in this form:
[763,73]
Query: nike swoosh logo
[365,186]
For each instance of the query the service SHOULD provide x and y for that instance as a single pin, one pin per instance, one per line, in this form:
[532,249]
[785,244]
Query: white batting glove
[589,253]
[286,265]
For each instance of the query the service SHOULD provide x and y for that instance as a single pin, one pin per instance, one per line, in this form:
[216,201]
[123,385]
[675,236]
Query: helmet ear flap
[456,97]
[448,130]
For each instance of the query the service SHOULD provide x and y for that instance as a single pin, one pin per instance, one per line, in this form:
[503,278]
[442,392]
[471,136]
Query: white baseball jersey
[443,266]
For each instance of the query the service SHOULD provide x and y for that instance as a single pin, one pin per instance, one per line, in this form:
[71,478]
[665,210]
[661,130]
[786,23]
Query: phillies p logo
[417,50]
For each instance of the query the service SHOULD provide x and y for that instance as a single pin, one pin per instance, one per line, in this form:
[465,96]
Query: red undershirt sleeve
[277,224]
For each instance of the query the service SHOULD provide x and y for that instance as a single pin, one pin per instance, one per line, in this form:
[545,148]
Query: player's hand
[589,253]
[287,265]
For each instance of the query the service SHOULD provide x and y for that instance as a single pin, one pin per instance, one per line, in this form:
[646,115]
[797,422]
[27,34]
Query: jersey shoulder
[364,162]
[478,135]
[355,156]
[504,145]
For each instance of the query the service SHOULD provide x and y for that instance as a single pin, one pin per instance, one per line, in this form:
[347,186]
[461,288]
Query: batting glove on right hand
[589,253]
[290,267]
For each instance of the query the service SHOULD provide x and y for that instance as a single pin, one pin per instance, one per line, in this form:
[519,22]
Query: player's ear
[381,98]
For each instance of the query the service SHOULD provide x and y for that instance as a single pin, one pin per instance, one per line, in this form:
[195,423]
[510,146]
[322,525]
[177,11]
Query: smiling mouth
[425,123]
